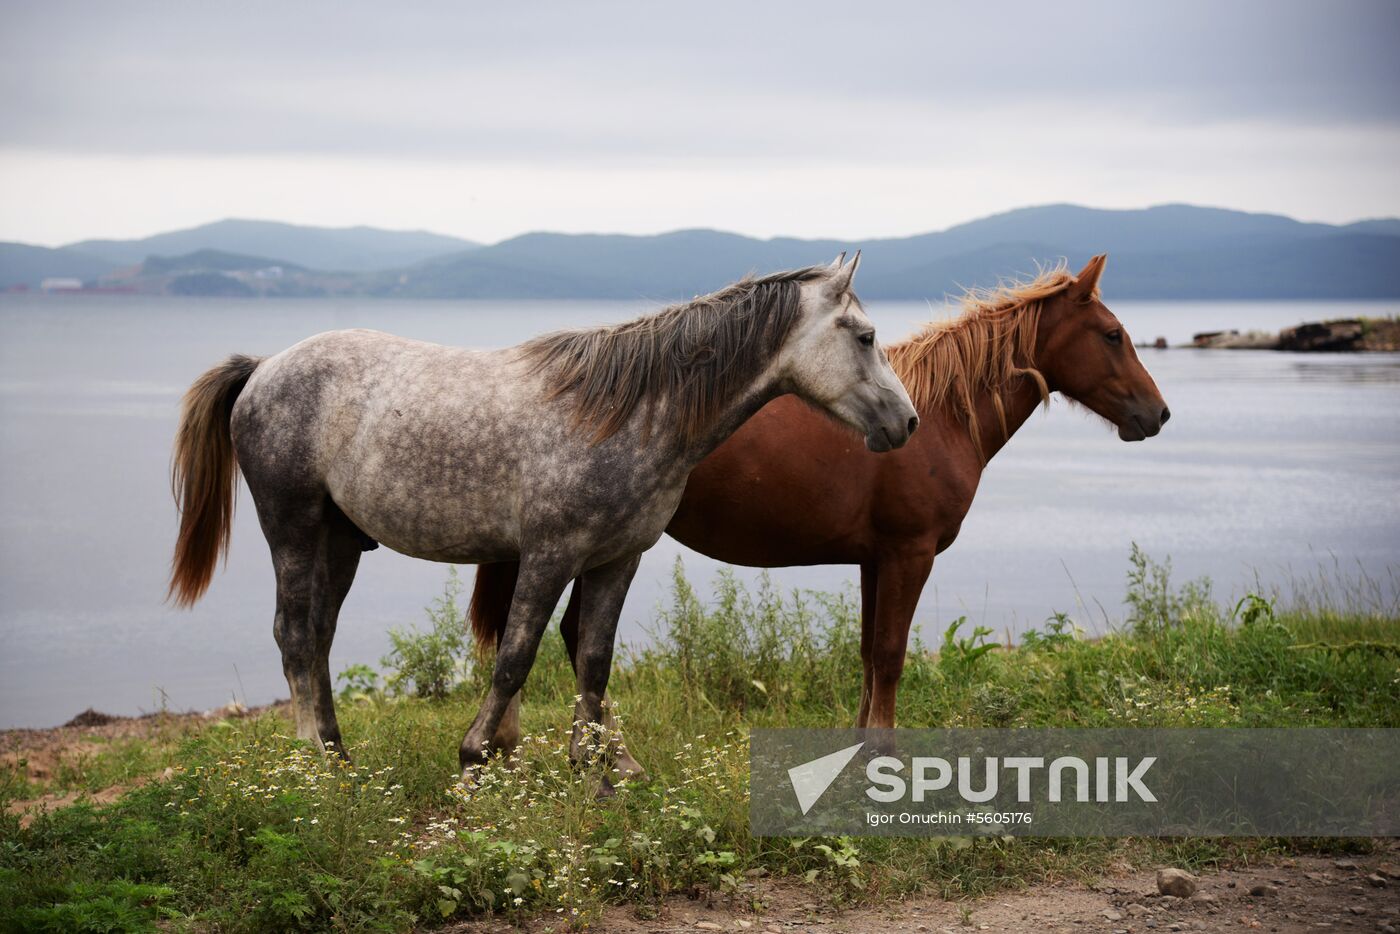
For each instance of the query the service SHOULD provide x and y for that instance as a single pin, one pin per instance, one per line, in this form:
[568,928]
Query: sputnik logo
[810,780]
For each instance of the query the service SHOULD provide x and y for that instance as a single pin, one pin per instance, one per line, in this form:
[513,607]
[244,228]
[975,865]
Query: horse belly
[727,532]
[423,491]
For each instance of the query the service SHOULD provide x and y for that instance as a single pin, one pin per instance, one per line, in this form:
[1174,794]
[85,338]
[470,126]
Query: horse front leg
[537,590]
[869,576]
[624,765]
[901,582]
[604,589]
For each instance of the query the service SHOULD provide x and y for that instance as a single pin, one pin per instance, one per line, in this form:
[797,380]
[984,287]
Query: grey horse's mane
[692,358]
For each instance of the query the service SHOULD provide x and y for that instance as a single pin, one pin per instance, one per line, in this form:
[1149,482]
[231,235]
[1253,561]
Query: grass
[255,832]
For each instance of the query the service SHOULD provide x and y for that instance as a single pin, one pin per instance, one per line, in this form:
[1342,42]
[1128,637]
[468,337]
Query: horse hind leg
[342,546]
[314,556]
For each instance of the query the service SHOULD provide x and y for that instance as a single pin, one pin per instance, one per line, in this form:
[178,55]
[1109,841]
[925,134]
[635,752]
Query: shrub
[428,664]
[758,650]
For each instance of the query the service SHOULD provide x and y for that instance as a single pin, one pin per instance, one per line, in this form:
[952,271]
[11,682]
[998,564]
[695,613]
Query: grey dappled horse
[567,453]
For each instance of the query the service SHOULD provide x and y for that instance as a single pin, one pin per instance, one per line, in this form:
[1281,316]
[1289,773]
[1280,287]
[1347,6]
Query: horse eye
[1114,337]
[867,339]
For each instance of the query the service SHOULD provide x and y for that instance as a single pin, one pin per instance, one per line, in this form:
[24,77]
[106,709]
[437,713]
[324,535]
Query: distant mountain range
[1170,251]
[348,249]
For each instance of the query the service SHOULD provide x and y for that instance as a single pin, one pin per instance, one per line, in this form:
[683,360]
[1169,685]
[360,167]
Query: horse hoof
[629,772]
[334,750]
[470,758]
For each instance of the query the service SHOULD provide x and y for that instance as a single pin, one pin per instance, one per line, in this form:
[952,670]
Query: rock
[1316,876]
[1176,926]
[92,717]
[1135,909]
[1376,880]
[1263,889]
[1344,864]
[1176,882]
[1112,914]
[708,926]
[1356,909]
[1342,334]
[1206,899]
[1389,870]
[755,873]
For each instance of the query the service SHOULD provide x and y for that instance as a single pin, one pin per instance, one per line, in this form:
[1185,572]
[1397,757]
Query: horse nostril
[1166,414]
[913,423]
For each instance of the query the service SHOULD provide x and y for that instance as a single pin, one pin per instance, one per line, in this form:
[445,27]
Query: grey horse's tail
[490,606]
[203,473]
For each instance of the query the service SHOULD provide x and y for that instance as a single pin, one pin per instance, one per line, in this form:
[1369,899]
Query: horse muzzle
[1143,422]
[891,433]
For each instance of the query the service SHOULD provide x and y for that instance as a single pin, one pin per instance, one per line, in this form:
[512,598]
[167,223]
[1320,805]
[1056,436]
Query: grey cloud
[602,81]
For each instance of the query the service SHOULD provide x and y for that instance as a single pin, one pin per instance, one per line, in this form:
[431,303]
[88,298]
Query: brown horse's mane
[948,363]
[693,359]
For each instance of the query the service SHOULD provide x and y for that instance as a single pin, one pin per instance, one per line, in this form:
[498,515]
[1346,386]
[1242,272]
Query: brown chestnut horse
[792,487]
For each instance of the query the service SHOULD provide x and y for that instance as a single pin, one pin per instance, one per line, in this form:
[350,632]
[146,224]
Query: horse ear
[1087,282]
[841,279]
[836,263]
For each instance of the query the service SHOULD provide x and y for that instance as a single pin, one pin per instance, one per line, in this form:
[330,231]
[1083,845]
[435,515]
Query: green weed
[255,832]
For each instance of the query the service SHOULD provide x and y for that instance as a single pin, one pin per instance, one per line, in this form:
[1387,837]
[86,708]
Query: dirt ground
[1292,895]
[1295,895]
[47,752]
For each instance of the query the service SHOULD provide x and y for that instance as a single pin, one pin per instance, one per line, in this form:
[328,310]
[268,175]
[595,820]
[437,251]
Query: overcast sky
[122,119]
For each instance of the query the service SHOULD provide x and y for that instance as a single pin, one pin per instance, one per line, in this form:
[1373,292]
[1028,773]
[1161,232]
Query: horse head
[833,361]
[1084,352]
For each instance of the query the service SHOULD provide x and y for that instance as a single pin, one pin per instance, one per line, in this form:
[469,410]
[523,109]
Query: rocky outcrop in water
[1340,335]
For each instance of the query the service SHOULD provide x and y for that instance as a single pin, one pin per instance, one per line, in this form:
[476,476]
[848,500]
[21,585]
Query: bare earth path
[1302,894]
[46,754]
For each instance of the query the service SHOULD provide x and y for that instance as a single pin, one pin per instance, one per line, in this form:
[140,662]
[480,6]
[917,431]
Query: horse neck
[1007,404]
[1019,401]
[741,408]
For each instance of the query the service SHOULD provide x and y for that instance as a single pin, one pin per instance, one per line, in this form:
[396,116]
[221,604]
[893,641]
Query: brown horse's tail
[203,473]
[490,606]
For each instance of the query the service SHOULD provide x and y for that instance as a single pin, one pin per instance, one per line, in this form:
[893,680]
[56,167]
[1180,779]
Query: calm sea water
[1272,465]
